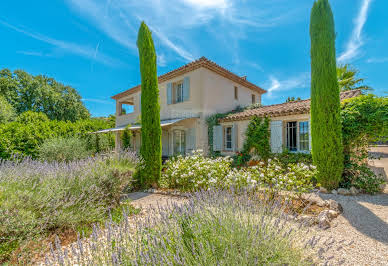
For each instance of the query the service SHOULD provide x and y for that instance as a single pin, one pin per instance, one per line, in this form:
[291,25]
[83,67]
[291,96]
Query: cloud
[93,100]
[377,60]
[31,53]
[70,47]
[180,27]
[275,85]
[161,60]
[356,40]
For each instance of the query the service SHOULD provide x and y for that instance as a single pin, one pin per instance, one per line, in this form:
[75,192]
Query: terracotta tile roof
[290,108]
[202,62]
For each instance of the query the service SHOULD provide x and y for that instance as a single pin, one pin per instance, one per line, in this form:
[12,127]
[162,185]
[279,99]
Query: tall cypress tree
[151,132]
[327,148]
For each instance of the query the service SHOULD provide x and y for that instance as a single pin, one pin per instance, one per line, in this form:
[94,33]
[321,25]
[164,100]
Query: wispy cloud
[377,60]
[275,85]
[356,40]
[70,47]
[31,53]
[93,100]
[177,25]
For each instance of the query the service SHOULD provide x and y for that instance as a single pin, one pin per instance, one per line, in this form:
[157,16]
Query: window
[291,136]
[304,136]
[228,138]
[178,92]
[253,98]
[235,93]
[179,140]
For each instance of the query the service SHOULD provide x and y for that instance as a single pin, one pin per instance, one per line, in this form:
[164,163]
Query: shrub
[63,149]
[197,172]
[151,131]
[326,132]
[257,138]
[7,112]
[213,227]
[39,198]
[194,172]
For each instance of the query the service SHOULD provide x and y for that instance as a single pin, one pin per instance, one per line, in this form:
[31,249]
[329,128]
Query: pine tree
[151,132]
[327,148]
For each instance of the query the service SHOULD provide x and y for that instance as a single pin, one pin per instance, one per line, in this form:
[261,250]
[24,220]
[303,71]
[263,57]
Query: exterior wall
[209,93]
[243,124]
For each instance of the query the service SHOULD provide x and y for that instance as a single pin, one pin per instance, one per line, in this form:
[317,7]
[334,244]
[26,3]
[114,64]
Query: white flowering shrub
[194,172]
[198,172]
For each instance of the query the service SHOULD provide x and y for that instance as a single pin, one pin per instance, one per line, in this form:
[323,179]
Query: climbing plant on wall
[257,136]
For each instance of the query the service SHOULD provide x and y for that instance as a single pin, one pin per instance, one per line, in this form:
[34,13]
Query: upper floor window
[253,98]
[235,93]
[228,138]
[178,92]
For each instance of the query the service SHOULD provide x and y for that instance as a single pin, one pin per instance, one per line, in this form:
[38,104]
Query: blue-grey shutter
[169,93]
[139,101]
[234,137]
[309,125]
[186,89]
[217,138]
[276,136]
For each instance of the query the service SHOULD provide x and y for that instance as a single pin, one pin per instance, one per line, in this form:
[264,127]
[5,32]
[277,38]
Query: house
[188,95]
[193,92]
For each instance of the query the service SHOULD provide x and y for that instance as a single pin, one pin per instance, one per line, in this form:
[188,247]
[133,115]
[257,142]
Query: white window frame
[181,134]
[304,141]
[226,136]
[178,92]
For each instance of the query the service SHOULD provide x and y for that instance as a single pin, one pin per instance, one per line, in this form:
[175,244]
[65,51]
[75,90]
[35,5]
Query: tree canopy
[348,80]
[7,112]
[25,92]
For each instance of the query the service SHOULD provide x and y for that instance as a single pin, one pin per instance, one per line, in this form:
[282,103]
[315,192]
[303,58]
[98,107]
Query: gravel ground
[364,222]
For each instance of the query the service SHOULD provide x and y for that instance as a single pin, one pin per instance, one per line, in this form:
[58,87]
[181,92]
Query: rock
[332,214]
[323,190]
[335,206]
[334,192]
[322,203]
[324,220]
[307,220]
[343,191]
[353,191]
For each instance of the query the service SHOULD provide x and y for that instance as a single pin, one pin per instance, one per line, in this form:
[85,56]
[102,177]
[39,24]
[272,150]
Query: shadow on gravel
[362,218]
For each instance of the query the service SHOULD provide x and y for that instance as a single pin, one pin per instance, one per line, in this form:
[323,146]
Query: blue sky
[91,44]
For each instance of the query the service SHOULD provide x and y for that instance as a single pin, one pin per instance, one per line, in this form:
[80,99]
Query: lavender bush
[38,198]
[214,227]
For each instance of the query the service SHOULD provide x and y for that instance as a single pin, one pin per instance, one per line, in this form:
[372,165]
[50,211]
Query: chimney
[244,77]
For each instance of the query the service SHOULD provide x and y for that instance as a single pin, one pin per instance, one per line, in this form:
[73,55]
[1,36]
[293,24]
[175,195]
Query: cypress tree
[151,132]
[327,148]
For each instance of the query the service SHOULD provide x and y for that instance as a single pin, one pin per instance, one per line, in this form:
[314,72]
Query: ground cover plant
[214,227]
[39,198]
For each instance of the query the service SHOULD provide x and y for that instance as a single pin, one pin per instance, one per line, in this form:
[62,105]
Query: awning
[163,123]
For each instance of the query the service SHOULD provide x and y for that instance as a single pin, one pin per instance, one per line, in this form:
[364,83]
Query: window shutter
[186,89]
[276,136]
[309,125]
[234,137]
[169,93]
[139,101]
[217,138]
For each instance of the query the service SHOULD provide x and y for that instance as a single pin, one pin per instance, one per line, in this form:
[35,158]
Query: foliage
[196,172]
[292,99]
[347,80]
[151,133]
[62,149]
[126,138]
[326,132]
[257,137]
[24,135]
[38,198]
[287,157]
[26,92]
[7,112]
[214,227]
[364,120]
